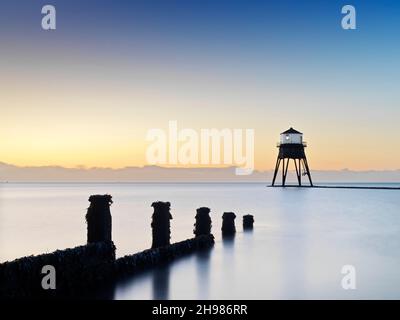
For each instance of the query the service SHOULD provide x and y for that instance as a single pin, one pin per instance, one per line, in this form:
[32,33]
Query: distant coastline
[154,174]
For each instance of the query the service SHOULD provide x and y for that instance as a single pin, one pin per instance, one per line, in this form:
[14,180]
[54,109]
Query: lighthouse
[291,147]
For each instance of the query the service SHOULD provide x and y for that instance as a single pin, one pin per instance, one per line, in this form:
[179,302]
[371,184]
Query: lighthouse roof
[291,130]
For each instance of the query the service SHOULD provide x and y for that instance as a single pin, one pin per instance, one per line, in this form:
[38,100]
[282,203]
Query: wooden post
[98,218]
[248,221]
[203,222]
[228,224]
[161,224]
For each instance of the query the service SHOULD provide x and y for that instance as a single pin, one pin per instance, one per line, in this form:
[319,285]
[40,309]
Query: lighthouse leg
[285,170]
[278,161]
[298,171]
[308,171]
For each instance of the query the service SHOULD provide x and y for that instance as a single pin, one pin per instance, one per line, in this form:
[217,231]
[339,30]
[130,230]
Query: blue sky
[249,64]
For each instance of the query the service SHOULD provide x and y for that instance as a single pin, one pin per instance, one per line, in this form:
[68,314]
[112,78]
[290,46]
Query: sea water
[301,240]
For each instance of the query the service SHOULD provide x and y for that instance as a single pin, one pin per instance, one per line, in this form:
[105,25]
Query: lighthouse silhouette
[291,147]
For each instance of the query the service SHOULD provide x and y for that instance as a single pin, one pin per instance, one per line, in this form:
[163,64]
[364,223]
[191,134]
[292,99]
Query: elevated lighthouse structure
[291,146]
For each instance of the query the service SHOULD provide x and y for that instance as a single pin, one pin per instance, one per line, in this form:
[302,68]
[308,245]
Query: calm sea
[301,241]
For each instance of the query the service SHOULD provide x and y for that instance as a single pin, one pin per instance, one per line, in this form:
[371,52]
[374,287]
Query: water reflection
[294,247]
[228,240]
[203,273]
[161,278]
[228,261]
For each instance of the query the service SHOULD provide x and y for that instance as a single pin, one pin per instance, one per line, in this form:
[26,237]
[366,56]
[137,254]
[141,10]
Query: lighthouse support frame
[296,153]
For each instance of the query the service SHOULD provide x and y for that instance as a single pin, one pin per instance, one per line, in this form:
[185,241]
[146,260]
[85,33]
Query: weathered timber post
[161,224]
[248,221]
[203,222]
[228,223]
[98,219]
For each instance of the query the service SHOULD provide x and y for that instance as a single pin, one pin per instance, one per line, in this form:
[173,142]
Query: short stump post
[203,222]
[228,223]
[98,218]
[161,224]
[248,221]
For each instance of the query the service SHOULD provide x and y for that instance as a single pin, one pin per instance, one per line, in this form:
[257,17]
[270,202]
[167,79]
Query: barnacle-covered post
[98,218]
[248,221]
[228,224]
[203,222]
[161,224]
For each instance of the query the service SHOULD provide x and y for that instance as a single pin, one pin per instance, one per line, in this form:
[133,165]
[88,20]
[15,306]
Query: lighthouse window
[287,137]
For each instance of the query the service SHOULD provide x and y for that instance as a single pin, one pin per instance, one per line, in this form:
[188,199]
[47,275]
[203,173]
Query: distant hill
[13,173]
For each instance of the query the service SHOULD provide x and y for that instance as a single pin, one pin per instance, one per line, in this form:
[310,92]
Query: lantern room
[291,136]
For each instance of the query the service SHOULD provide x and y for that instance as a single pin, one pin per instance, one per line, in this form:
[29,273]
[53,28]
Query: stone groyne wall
[70,273]
[134,263]
[76,269]
[84,268]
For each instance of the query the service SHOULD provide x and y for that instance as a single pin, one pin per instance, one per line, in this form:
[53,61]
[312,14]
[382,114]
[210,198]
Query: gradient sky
[87,93]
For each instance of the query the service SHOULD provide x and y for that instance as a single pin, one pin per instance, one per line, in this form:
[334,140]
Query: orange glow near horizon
[95,113]
[126,150]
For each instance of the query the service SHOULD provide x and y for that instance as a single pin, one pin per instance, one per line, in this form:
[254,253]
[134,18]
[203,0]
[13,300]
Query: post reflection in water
[228,241]
[228,262]
[203,273]
[161,278]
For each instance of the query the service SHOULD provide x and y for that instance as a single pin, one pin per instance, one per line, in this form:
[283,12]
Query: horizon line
[85,168]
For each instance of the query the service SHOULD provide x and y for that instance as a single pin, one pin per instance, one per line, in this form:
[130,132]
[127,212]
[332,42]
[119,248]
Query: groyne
[74,271]
[134,263]
[71,273]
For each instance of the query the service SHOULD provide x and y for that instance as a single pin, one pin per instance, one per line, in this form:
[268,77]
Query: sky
[86,93]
